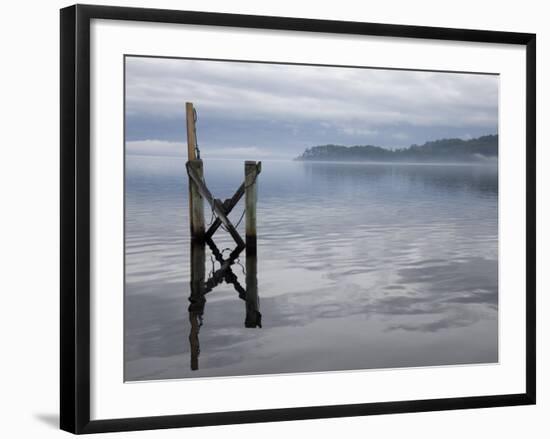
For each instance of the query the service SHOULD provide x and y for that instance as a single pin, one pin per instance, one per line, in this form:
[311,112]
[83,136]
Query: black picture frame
[75,217]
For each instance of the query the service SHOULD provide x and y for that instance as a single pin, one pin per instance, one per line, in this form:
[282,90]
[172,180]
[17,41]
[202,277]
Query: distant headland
[481,149]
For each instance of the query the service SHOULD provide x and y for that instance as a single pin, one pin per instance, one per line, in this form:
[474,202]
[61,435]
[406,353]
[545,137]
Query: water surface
[359,266]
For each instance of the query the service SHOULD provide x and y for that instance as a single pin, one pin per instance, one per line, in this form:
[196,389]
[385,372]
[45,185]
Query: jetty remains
[202,236]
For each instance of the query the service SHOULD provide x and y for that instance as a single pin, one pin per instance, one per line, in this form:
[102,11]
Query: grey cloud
[269,105]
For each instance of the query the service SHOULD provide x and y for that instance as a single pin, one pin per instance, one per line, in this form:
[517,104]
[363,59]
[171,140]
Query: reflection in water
[200,288]
[360,266]
[447,178]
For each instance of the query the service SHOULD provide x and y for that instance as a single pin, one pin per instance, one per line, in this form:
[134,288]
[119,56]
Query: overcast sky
[261,111]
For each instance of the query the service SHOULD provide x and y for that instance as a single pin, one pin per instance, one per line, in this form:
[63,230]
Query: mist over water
[359,266]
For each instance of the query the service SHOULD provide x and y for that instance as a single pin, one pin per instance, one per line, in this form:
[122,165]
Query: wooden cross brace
[222,210]
[217,206]
[228,206]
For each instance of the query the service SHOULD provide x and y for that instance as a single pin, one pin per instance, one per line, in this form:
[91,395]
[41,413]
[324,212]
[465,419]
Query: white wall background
[29,248]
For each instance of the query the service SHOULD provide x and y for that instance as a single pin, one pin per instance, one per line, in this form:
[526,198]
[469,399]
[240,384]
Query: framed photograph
[268,218]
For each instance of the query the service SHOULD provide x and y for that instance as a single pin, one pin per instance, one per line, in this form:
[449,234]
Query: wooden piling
[191,131]
[251,171]
[196,221]
[196,205]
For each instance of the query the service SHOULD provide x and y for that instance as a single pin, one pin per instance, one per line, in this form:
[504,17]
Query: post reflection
[224,273]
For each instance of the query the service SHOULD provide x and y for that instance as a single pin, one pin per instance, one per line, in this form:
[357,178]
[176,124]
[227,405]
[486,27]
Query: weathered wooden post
[196,221]
[191,131]
[251,171]
[196,205]
[253,317]
[196,202]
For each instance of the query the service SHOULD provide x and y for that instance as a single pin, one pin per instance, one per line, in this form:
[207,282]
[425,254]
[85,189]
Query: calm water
[359,266]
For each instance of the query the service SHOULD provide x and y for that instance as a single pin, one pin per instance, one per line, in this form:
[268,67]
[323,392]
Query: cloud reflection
[408,277]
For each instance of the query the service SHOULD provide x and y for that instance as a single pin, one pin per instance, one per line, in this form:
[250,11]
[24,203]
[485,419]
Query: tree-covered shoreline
[480,149]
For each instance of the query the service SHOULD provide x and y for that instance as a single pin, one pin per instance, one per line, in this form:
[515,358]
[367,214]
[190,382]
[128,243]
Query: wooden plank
[216,205]
[228,205]
[199,182]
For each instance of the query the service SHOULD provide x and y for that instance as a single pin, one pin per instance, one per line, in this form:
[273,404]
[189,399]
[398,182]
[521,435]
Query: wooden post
[251,171]
[196,212]
[253,317]
[196,204]
[196,220]
[191,131]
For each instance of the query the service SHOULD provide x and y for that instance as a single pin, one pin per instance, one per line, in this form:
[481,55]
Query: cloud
[356,131]
[255,101]
[179,149]
[156,147]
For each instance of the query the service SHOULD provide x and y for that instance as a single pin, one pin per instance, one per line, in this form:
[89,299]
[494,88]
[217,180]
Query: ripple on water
[354,265]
